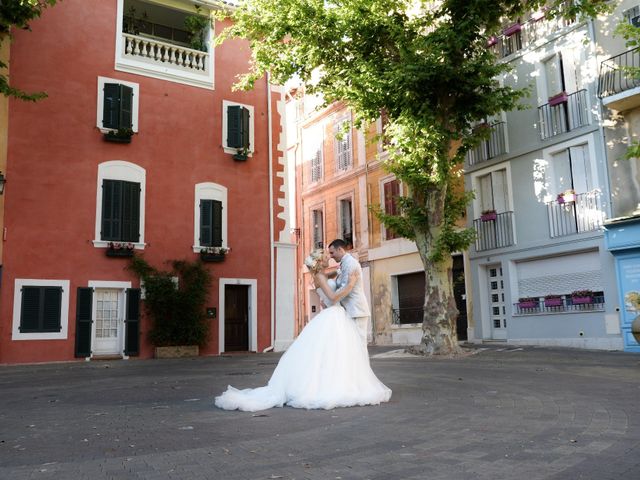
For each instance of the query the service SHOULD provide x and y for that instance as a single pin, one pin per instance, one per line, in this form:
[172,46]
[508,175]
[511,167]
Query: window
[391,192]
[120,202]
[237,127]
[632,16]
[40,309]
[494,191]
[117,104]
[572,169]
[312,143]
[343,148]
[210,216]
[317,226]
[345,209]
[410,291]
[120,211]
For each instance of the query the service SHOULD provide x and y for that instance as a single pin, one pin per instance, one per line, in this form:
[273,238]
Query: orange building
[339,176]
[142,143]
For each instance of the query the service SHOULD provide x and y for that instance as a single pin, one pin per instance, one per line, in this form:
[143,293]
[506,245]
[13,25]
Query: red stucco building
[167,184]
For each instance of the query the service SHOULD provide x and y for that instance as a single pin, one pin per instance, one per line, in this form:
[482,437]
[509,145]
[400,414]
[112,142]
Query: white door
[109,321]
[497,310]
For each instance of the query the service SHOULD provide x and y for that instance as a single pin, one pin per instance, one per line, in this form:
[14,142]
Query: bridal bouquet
[314,261]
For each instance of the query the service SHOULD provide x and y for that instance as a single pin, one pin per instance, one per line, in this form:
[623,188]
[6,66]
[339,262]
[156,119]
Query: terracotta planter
[179,351]
[581,300]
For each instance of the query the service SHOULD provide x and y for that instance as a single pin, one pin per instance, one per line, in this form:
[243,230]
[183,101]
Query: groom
[349,289]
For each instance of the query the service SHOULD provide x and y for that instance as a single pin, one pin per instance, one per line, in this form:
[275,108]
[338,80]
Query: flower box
[528,304]
[114,139]
[581,300]
[212,257]
[491,41]
[512,30]
[119,249]
[553,302]
[562,97]
[488,216]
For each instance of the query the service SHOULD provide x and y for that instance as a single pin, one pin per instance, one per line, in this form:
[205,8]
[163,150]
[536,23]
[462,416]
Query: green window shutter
[130,212]
[216,236]
[111,105]
[132,323]
[83,322]
[126,107]
[51,309]
[237,127]
[30,309]
[206,223]
[111,210]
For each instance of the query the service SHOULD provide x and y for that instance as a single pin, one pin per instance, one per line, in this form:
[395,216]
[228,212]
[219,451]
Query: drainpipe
[271,227]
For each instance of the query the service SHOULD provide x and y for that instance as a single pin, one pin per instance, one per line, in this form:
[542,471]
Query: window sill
[105,244]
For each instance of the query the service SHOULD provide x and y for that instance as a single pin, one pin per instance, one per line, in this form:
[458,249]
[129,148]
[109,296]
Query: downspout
[271,227]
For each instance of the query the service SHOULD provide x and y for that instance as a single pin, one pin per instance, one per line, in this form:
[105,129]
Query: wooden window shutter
[51,305]
[391,193]
[206,223]
[316,166]
[237,127]
[30,309]
[126,107]
[83,322]
[130,212]
[111,105]
[217,223]
[132,323]
[111,206]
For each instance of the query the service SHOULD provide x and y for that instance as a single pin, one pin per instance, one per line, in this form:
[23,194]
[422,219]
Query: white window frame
[135,104]
[209,191]
[320,208]
[16,334]
[475,182]
[126,171]
[226,104]
[381,183]
[548,154]
[131,65]
[348,139]
[351,197]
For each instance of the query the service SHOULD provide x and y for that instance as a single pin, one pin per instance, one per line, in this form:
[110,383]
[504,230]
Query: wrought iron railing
[402,316]
[494,233]
[566,113]
[564,304]
[615,76]
[576,213]
[490,148]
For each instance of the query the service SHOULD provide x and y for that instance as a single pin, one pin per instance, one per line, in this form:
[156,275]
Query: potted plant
[528,302]
[553,300]
[242,154]
[176,304]
[579,297]
[213,254]
[488,215]
[119,249]
[197,25]
[121,135]
[568,196]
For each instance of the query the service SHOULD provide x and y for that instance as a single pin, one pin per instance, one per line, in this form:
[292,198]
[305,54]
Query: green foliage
[197,25]
[18,13]
[177,311]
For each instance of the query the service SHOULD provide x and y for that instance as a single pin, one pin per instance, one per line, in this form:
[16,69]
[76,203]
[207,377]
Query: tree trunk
[439,335]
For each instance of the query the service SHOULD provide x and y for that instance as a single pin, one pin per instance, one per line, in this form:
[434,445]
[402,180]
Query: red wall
[54,151]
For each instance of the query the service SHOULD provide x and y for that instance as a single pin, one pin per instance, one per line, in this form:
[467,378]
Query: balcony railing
[402,316]
[168,54]
[583,214]
[565,304]
[614,75]
[496,233]
[490,148]
[564,114]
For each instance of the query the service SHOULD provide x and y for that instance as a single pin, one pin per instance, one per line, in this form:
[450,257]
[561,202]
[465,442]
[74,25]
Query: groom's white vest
[355,303]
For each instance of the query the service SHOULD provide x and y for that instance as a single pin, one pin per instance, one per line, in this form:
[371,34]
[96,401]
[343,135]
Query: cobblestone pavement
[499,413]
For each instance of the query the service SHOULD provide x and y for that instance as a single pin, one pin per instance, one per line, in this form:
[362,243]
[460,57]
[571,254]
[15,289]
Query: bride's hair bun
[314,261]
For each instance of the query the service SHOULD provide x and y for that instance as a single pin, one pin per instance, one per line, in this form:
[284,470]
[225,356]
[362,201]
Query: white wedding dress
[327,366]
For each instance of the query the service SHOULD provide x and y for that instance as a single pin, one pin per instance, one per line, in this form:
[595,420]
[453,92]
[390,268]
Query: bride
[327,366]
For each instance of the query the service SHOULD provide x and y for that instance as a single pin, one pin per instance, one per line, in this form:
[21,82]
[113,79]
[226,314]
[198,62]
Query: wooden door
[236,318]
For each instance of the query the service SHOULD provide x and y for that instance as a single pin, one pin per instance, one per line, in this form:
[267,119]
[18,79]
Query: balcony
[564,305]
[581,214]
[152,41]
[494,233]
[493,147]
[617,87]
[563,113]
